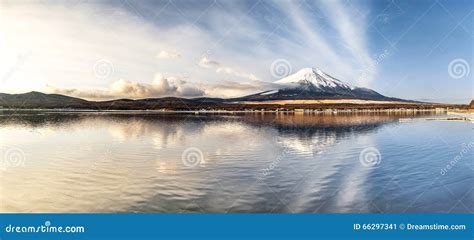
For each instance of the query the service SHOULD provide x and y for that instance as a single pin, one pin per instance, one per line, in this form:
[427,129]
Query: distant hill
[41,100]
[38,100]
[471,105]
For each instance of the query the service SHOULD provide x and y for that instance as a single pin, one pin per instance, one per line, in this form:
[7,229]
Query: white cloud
[168,55]
[160,87]
[229,70]
[207,63]
[228,89]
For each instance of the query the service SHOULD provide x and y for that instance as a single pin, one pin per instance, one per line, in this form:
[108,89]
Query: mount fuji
[312,83]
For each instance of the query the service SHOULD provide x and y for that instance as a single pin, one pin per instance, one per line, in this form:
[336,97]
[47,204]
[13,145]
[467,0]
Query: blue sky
[105,49]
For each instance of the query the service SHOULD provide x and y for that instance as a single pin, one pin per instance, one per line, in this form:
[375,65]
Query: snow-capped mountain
[315,78]
[312,83]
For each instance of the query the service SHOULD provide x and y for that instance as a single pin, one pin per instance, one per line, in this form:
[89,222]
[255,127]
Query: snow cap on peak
[314,76]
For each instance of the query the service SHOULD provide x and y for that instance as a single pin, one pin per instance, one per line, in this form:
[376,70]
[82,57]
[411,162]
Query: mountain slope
[312,83]
[40,100]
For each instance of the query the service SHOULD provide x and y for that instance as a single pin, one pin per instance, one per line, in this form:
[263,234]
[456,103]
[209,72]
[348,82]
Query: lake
[253,162]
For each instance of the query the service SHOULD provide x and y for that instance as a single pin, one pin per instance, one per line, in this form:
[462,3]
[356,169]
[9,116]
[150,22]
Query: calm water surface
[93,162]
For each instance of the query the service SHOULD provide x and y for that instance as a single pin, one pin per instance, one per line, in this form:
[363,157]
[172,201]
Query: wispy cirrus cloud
[351,27]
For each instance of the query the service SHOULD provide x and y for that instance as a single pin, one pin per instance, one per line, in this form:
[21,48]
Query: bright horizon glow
[136,49]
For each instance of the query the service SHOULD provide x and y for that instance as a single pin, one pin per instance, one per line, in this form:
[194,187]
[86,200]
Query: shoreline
[448,114]
[297,110]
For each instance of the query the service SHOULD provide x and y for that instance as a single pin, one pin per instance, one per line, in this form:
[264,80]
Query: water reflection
[251,163]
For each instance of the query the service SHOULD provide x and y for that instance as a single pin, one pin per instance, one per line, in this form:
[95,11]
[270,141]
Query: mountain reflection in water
[123,162]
